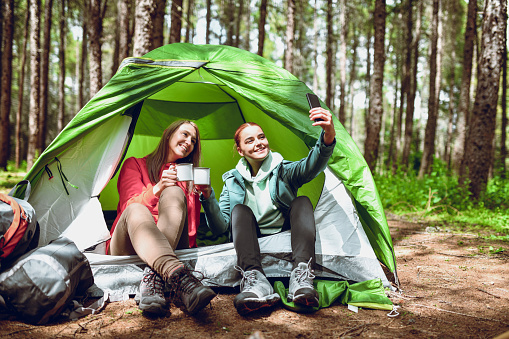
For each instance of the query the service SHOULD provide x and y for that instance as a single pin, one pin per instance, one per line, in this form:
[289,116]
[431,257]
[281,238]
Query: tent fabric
[219,88]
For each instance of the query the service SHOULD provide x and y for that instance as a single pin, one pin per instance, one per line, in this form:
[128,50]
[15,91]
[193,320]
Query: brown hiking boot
[151,295]
[188,292]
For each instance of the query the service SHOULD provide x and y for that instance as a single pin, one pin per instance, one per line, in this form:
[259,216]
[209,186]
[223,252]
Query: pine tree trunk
[352,80]
[238,18]
[35,71]
[61,75]
[315,47]
[431,124]
[82,65]
[329,61]
[6,82]
[290,35]
[342,61]
[479,153]
[466,76]
[261,26]
[158,24]
[46,46]
[409,117]
[503,104]
[124,37]
[143,29]
[176,21]
[230,21]
[208,20]
[95,34]
[247,32]
[376,93]
[19,140]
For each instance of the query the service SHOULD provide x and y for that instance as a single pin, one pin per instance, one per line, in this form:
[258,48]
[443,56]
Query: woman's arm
[216,214]
[133,188]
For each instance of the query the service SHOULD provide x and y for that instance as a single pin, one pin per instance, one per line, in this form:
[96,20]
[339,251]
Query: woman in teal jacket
[259,198]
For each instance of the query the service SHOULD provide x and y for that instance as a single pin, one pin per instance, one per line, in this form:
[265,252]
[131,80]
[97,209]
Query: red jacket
[134,186]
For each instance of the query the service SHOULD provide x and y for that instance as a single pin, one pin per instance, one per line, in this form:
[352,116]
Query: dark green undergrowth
[439,199]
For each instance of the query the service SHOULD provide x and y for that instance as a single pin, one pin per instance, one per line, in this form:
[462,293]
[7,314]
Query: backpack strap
[15,232]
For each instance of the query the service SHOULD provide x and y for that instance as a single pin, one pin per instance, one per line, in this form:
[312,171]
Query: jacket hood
[272,160]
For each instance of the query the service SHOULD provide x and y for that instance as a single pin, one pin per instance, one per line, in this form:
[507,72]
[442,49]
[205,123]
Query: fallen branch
[362,327]
[496,296]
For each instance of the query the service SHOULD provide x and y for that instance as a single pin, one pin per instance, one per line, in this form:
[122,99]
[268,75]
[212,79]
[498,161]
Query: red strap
[16,230]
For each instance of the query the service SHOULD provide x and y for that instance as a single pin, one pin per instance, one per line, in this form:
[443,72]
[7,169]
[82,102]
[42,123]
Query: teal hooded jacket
[284,182]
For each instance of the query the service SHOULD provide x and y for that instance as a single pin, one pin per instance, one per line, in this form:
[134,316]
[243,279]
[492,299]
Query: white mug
[184,172]
[201,175]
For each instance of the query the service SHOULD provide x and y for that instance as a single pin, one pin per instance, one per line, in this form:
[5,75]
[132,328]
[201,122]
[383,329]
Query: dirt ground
[453,286]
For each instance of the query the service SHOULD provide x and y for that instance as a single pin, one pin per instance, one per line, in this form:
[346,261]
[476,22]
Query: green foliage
[438,197]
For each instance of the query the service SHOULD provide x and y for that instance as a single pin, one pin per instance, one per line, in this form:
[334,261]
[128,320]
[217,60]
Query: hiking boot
[188,292]
[151,294]
[301,290]
[256,292]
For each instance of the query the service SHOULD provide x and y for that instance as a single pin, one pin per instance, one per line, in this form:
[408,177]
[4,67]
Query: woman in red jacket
[154,214]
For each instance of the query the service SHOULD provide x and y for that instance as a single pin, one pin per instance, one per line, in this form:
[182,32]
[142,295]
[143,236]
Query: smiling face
[253,145]
[182,142]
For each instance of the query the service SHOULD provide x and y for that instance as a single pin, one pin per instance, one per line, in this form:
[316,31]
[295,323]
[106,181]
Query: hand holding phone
[313,102]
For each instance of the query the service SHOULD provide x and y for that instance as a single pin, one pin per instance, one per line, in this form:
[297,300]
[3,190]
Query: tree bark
[315,47]
[431,124]
[238,21]
[503,104]
[409,117]
[95,29]
[376,93]
[207,22]
[124,37]
[189,20]
[46,46]
[143,29]
[158,24]
[329,61]
[352,80]
[35,72]
[61,75]
[342,61]
[261,26]
[479,153]
[20,150]
[230,21]
[176,21]
[6,82]
[290,35]
[247,32]
[464,100]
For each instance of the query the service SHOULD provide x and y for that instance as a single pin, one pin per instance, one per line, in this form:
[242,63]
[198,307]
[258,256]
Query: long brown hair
[157,158]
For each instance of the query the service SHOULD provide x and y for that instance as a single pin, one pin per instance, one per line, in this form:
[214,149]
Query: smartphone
[313,102]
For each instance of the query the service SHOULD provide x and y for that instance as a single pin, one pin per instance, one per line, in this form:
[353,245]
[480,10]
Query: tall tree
[261,26]
[342,61]
[238,21]
[189,20]
[176,21]
[21,87]
[247,31]
[208,21]
[95,30]
[374,120]
[158,23]
[61,61]
[6,82]
[503,104]
[143,28]
[229,21]
[329,63]
[35,72]
[315,45]
[479,152]
[124,29]
[431,124]
[290,35]
[464,100]
[409,116]
[46,46]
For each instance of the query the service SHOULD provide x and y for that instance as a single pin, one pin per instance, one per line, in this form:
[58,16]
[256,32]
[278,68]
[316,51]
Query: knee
[137,213]
[302,203]
[241,210]
[174,194]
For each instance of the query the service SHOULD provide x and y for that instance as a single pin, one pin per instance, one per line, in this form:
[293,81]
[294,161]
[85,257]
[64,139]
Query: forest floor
[454,285]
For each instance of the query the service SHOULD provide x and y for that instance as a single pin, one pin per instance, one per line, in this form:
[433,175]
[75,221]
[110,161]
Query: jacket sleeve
[217,214]
[132,189]
[298,173]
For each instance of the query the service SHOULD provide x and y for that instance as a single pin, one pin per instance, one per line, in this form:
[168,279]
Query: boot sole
[248,305]
[203,299]
[309,299]
[153,308]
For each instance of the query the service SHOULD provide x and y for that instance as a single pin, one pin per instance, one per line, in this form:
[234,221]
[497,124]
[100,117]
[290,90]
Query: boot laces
[153,283]
[185,283]
[249,278]
[305,276]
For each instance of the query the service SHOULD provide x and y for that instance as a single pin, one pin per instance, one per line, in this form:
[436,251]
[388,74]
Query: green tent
[219,88]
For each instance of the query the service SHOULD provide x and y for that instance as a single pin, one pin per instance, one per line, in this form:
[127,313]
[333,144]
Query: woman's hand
[205,190]
[168,178]
[325,123]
